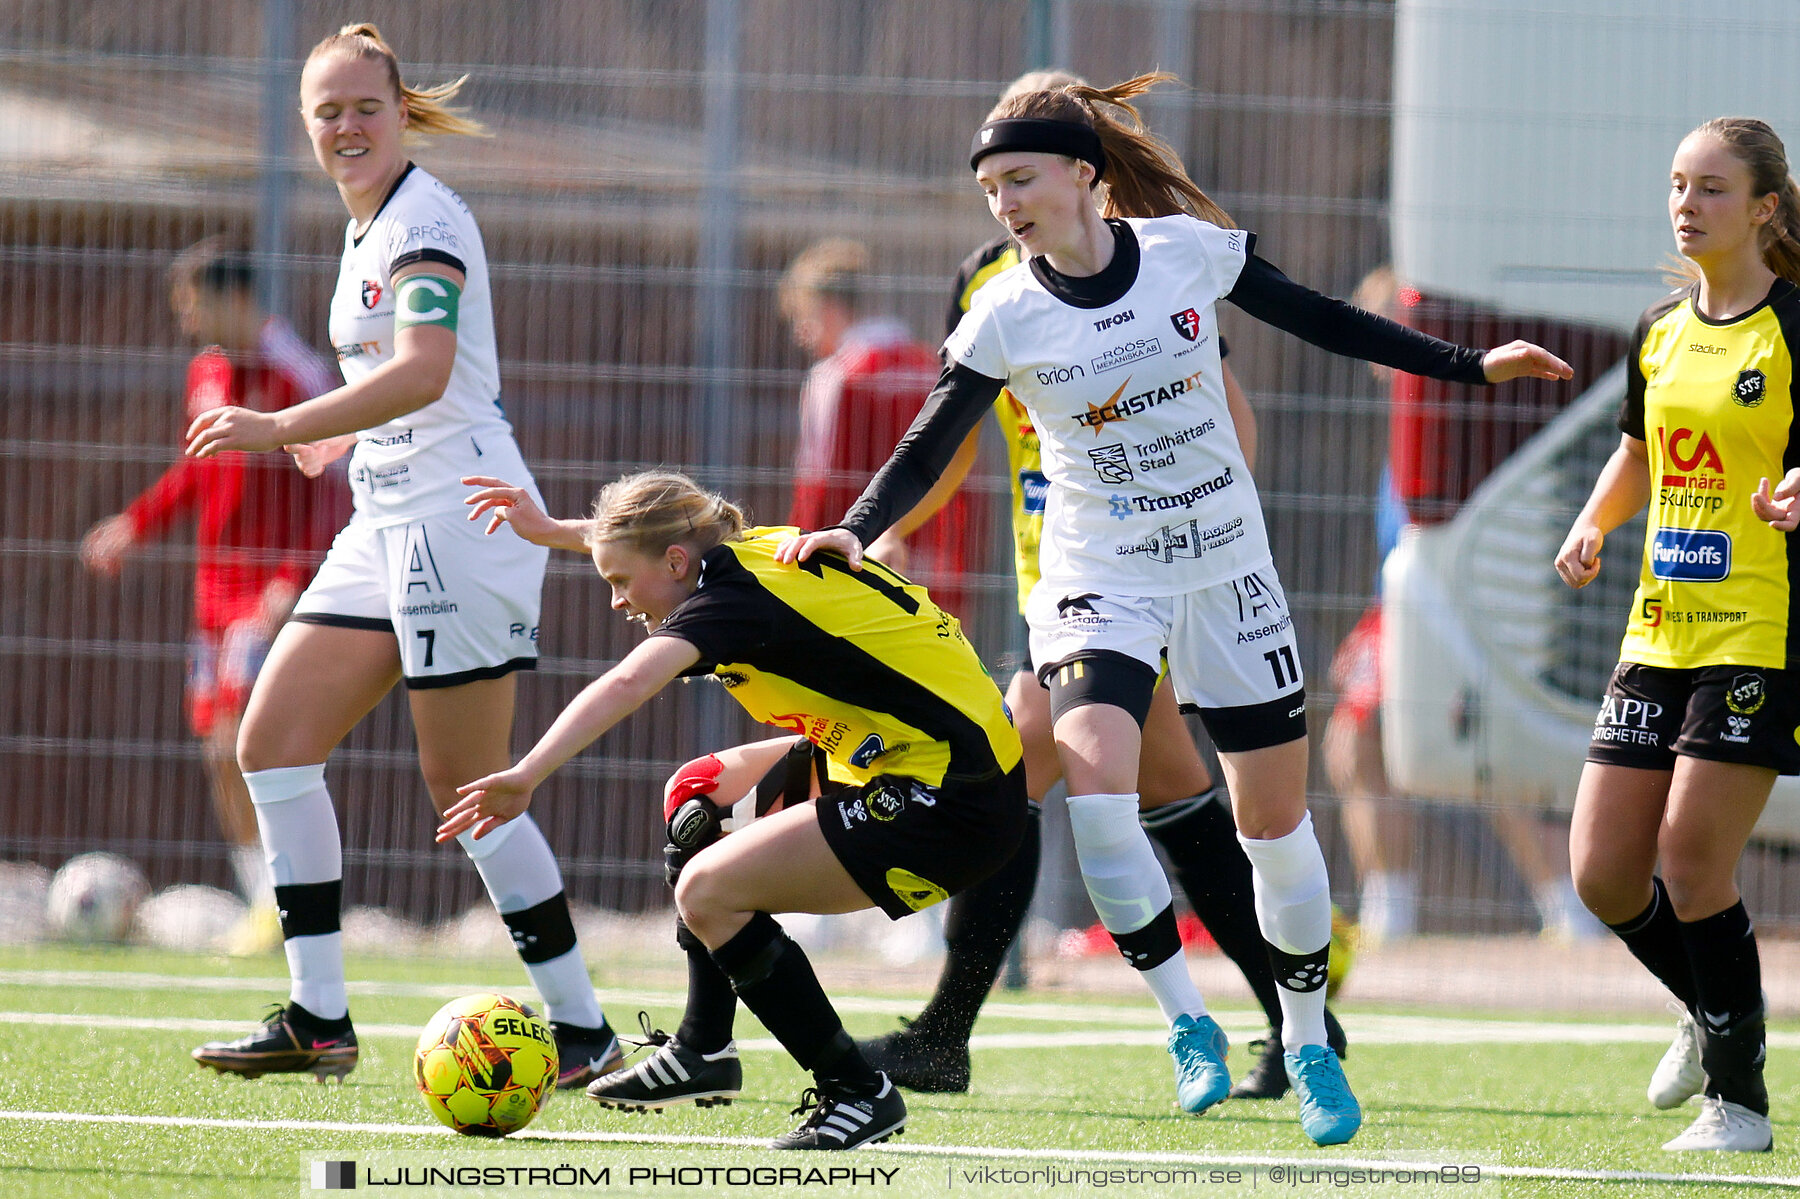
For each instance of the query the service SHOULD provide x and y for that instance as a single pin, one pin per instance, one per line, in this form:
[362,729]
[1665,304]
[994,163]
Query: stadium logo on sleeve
[371,294]
[1187,324]
[1748,391]
[1690,555]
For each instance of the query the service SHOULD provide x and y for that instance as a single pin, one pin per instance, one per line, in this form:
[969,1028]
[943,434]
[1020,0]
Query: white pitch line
[122,980]
[1364,1030]
[1086,1156]
[1371,1029]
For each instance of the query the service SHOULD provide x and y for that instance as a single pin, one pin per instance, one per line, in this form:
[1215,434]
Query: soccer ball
[486,1065]
[95,897]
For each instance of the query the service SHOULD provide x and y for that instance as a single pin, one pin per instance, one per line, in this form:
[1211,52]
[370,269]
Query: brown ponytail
[1144,176]
[427,108]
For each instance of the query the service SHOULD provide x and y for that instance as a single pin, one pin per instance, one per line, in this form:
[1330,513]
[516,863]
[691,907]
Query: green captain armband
[426,300]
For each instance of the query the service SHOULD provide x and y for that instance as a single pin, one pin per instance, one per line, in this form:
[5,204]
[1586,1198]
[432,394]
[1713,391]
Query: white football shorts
[461,604]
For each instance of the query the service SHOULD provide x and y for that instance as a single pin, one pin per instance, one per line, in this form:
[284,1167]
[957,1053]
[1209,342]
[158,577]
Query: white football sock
[300,838]
[1293,910]
[520,872]
[1128,887]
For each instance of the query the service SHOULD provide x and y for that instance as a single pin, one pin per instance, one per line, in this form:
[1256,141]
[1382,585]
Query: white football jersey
[1149,491]
[413,465]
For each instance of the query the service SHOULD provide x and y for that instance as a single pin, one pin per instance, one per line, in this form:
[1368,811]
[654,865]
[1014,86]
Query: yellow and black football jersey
[1714,402]
[861,663]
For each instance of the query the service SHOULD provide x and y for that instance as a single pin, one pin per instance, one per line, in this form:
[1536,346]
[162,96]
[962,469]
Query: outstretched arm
[489,802]
[1273,298]
[890,547]
[504,504]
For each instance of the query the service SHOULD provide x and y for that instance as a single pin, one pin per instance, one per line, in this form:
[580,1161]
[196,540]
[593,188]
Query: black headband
[1038,135]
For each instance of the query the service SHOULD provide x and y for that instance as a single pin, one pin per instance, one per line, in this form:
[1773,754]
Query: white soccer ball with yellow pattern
[486,1065]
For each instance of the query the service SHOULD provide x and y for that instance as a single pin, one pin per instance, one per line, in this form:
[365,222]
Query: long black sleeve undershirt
[955,406]
[962,396]
[1273,298]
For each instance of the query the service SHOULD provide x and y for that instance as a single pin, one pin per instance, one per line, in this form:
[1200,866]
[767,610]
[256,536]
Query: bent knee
[700,893]
[1697,889]
[1612,896]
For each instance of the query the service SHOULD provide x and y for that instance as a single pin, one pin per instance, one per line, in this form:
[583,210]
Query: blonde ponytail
[655,509]
[427,108]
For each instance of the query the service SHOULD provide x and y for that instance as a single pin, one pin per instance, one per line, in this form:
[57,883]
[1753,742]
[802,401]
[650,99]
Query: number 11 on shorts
[1281,661]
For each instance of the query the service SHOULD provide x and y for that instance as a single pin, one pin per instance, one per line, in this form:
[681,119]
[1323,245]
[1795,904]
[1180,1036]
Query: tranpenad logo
[1690,555]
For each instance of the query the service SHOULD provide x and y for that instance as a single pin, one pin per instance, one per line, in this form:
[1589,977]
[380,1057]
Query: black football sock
[1654,938]
[978,930]
[773,977]
[1727,973]
[302,1018]
[711,1003]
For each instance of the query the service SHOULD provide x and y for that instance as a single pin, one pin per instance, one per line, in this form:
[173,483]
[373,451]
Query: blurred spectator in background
[869,378]
[261,528]
[1380,827]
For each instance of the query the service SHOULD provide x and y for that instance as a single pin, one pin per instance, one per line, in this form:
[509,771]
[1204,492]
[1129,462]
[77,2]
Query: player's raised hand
[1578,562]
[1780,508]
[487,803]
[219,429]
[1522,360]
[504,504]
[799,549]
